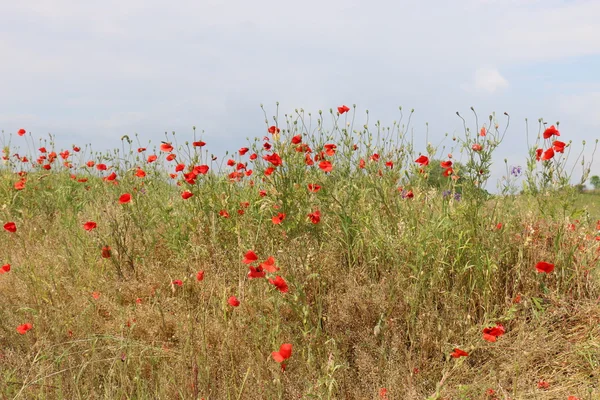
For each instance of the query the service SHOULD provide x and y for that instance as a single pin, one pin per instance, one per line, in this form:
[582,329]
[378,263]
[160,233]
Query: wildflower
[476,147]
[313,187]
[423,160]
[23,329]
[558,146]
[491,334]
[224,214]
[280,284]
[326,166]
[285,352]
[273,129]
[315,217]
[100,167]
[90,225]
[330,149]
[297,139]
[10,227]
[545,267]
[457,353]
[200,276]
[177,282]
[96,295]
[21,132]
[343,109]
[250,257]
[543,384]
[483,131]
[548,154]
[243,151]
[233,301]
[151,158]
[125,198]
[552,131]
[269,265]
[256,272]
[186,195]
[4,269]
[199,143]
[278,219]
[446,164]
[106,253]
[140,173]
[538,154]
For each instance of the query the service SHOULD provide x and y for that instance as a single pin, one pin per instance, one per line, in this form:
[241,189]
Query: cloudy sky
[90,72]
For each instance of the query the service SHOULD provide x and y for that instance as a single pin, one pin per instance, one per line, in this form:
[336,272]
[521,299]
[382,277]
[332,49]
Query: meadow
[325,259]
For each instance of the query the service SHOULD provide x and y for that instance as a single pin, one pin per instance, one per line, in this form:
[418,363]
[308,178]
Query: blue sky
[90,72]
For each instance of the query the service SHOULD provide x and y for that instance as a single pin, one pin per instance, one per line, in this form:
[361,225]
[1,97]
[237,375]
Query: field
[346,262]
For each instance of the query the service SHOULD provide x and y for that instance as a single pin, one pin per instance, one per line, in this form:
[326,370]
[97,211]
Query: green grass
[382,288]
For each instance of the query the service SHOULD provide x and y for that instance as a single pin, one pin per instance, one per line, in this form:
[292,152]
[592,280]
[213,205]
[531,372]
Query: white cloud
[489,80]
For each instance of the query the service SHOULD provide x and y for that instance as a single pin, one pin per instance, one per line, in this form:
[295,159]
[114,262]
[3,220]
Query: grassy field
[337,263]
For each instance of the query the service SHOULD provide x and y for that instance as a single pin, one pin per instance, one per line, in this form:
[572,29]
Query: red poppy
[543,385]
[233,301]
[343,109]
[224,214]
[545,267]
[140,173]
[256,272]
[457,353]
[280,284]
[110,177]
[313,187]
[361,164]
[21,132]
[273,129]
[297,139]
[285,352]
[90,225]
[538,154]
[171,157]
[269,171]
[106,253]
[76,149]
[315,217]
[177,282]
[330,149]
[141,149]
[476,147]
[447,172]
[202,169]
[483,131]
[552,131]
[491,334]
[548,154]
[250,257]
[200,276]
[423,160]
[375,157]
[243,151]
[125,198]
[326,166]
[198,144]
[231,162]
[4,269]
[10,227]
[278,219]
[186,195]
[101,167]
[389,164]
[446,164]
[152,158]
[559,146]
[96,295]
[253,156]
[273,159]
[269,265]
[22,329]
[166,147]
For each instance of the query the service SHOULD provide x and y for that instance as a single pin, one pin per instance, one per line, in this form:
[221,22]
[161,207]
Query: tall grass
[400,266]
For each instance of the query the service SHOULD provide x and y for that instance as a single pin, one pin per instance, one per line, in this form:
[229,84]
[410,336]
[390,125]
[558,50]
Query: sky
[91,72]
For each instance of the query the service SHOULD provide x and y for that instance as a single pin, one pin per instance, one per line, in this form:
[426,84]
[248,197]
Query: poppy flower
[152,158]
[543,385]
[177,282]
[446,164]
[389,164]
[106,253]
[110,177]
[96,295]
[141,149]
[202,169]
[315,217]
[313,187]
[233,301]
[199,144]
[273,159]
[250,257]
[274,129]
[483,131]
[269,171]
[361,164]
[243,151]
[330,149]
[10,227]
[186,195]
[21,132]
[558,146]
[548,154]
[125,198]
[200,276]
[90,225]
[256,272]
[297,139]
[491,334]
[375,157]
[552,131]
[538,154]
[231,162]
[280,284]
[171,157]
[476,147]
[278,219]
[4,269]
[447,172]
[166,147]
[22,329]
[101,167]
[224,214]
[326,166]
[140,173]
[285,352]
[269,265]
[423,160]
[343,109]
[457,353]
[545,267]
